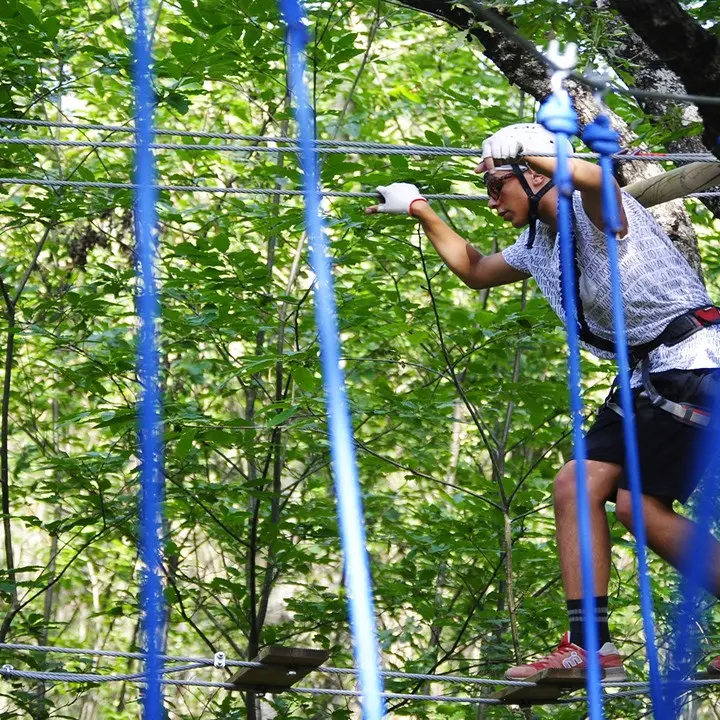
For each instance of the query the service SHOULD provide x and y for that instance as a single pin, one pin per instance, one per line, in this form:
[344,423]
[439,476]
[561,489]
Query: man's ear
[537,180]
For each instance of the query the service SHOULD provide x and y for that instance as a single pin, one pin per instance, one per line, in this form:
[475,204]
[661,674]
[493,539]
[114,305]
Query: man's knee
[601,482]
[623,508]
[564,489]
[656,510]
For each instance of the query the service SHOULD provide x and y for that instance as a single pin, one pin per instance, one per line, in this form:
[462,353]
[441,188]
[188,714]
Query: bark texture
[685,47]
[625,49]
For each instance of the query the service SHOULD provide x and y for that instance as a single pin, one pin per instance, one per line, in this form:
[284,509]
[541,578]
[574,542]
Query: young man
[658,287]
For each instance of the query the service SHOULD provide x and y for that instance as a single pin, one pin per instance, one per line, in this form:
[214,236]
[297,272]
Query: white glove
[507,145]
[398,198]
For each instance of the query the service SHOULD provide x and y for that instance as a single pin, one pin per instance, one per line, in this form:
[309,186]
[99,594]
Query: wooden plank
[675,183]
[706,675]
[550,685]
[282,668]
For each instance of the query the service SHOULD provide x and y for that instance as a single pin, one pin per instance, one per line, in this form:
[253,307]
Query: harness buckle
[709,315]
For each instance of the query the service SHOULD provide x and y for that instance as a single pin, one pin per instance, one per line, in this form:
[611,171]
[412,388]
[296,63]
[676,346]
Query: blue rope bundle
[149,420]
[601,138]
[342,449]
[559,117]
[688,614]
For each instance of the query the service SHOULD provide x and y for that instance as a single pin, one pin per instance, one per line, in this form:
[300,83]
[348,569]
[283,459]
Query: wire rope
[358,148]
[49,182]
[322,146]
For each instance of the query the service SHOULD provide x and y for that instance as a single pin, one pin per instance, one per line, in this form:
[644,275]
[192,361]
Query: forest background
[459,398]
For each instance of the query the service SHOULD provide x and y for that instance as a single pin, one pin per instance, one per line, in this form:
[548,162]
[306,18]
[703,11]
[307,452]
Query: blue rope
[559,117]
[695,564]
[696,572]
[342,449]
[601,138]
[149,420]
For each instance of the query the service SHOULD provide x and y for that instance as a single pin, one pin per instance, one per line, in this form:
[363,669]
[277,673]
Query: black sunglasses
[495,183]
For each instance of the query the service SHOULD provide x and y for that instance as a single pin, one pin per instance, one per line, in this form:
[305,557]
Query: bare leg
[602,481]
[669,534]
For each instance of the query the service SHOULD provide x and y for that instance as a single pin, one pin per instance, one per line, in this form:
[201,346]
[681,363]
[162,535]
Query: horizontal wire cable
[87,677]
[57,650]
[9,672]
[94,677]
[250,664]
[359,149]
[322,146]
[43,182]
[214,189]
[209,662]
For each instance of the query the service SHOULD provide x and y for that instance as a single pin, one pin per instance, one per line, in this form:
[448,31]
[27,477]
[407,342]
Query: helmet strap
[534,199]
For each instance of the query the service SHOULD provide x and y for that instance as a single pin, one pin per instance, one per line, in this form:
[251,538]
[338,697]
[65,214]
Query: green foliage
[252,555]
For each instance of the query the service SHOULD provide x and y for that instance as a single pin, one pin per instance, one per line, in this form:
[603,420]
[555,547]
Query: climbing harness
[677,330]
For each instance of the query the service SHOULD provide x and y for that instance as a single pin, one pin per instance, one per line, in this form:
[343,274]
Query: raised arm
[516,143]
[587,178]
[472,267]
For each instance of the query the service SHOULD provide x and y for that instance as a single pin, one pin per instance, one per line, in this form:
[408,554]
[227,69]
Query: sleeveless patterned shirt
[658,284]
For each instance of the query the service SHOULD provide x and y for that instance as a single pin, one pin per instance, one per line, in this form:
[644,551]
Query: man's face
[507,197]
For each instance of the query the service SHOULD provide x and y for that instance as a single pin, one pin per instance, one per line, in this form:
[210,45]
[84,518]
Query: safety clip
[563,63]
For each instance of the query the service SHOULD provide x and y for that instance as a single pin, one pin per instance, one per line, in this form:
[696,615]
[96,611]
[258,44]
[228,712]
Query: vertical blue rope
[558,116]
[149,420]
[695,564]
[695,569]
[601,138]
[342,449]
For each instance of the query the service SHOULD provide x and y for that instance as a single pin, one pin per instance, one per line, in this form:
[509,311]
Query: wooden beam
[675,183]
[549,685]
[282,668]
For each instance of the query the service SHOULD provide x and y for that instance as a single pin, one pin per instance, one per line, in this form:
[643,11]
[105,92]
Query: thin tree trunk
[258,605]
[50,593]
[4,455]
[10,311]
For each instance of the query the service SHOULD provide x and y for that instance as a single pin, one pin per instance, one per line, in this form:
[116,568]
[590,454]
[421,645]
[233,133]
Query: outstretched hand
[398,199]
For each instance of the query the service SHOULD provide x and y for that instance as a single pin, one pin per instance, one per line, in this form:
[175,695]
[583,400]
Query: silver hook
[563,63]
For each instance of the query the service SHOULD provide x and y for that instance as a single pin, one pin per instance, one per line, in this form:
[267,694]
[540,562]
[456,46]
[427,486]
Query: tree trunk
[686,47]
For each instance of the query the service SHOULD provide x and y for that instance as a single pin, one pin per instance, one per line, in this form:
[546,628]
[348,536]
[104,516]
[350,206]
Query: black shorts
[670,451]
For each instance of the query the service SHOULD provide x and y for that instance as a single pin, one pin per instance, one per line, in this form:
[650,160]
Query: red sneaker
[569,656]
[714,666]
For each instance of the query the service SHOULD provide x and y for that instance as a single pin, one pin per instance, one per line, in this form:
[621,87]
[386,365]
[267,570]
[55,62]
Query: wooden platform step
[550,685]
[282,668]
[553,683]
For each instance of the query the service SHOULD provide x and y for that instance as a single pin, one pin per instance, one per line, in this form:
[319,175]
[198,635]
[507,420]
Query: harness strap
[687,413]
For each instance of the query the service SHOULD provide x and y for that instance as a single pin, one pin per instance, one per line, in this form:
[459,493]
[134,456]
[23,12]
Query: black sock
[577,621]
